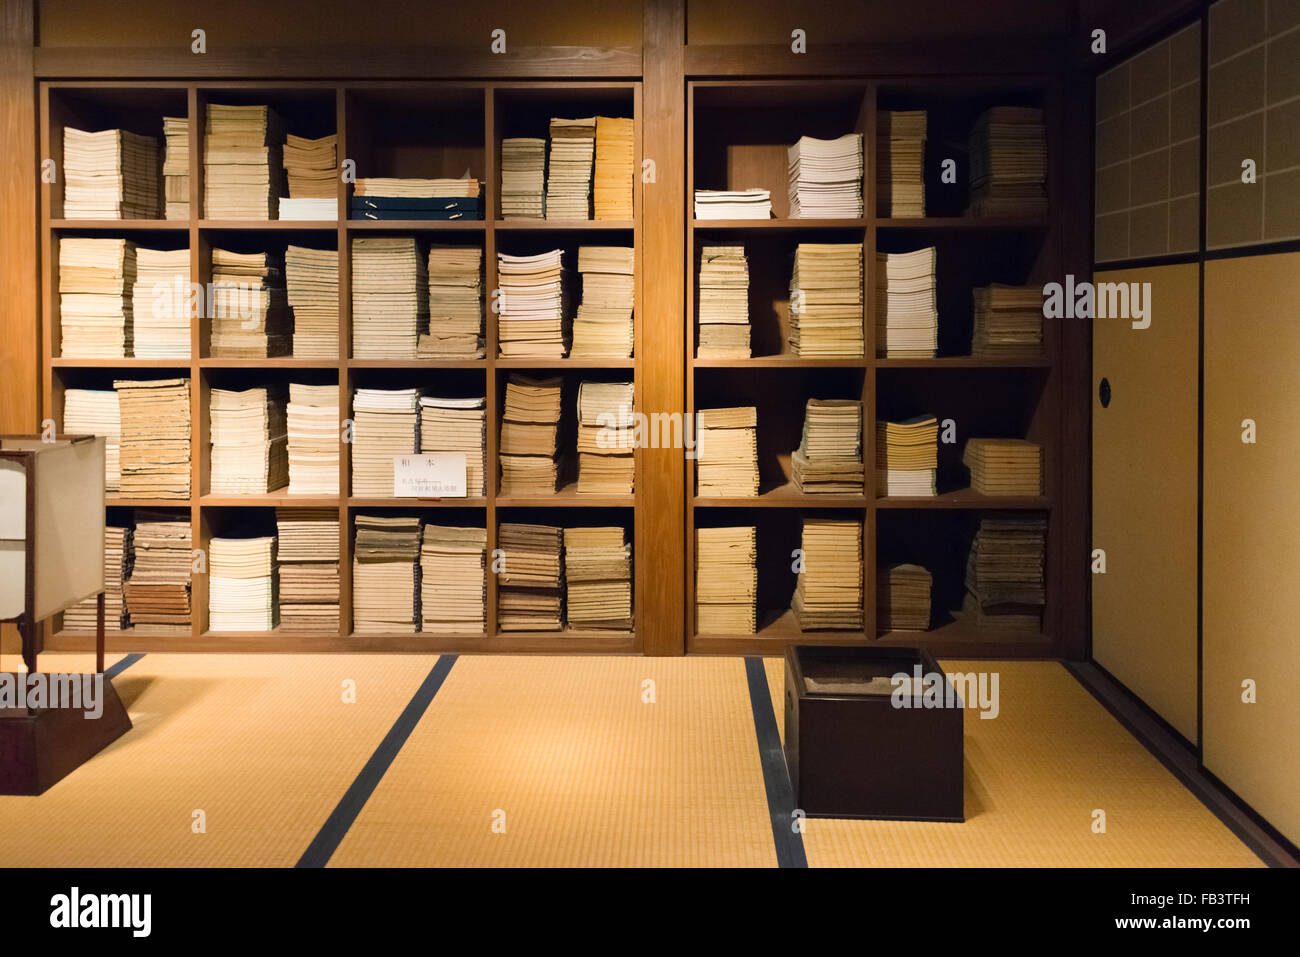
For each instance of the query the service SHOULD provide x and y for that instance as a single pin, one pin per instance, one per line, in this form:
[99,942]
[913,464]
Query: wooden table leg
[99,634]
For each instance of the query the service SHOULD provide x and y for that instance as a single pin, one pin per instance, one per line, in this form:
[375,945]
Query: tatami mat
[262,744]
[581,769]
[1034,777]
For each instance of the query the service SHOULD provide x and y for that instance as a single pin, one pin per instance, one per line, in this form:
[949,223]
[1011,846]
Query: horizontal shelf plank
[501,363]
[514,643]
[61,362]
[458,225]
[965,362]
[963,223]
[565,225]
[314,225]
[782,496]
[789,225]
[966,498]
[278,362]
[416,363]
[780,362]
[117,225]
[270,499]
[469,501]
[123,502]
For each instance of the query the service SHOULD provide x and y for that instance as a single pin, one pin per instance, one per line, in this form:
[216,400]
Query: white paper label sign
[429,475]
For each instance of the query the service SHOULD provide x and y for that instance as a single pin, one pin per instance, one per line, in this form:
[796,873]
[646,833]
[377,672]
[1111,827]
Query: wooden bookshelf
[737,134]
[390,128]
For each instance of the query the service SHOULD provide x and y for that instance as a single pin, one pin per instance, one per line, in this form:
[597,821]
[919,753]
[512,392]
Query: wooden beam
[1035,55]
[337,63]
[663,519]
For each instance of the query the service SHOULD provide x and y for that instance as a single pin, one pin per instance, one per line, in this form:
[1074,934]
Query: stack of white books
[386,423]
[390,297]
[112,174]
[307,558]
[723,303]
[901,153]
[529,593]
[828,593]
[176,167]
[155,450]
[726,580]
[568,175]
[733,204]
[386,575]
[243,175]
[158,591]
[119,554]
[907,456]
[615,162]
[826,178]
[96,280]
[598,579]
[523,177]
[312,418]
[826,300]
[455,304]
[532,299]
[241,584]
[250,444]
[160,304]
[312,170]
[95,412]
[606,438]
[458,426]
[453,587]
[603,326]
[250,318]
[829,457]
[312,289]
[529,424]
[907,313]
[726,462]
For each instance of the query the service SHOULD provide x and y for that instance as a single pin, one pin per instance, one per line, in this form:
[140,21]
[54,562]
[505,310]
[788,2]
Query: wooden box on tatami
[852,752]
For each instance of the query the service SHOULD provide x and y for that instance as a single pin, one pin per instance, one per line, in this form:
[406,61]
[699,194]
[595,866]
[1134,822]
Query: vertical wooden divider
[345,375]
[199,325]
[491,162]
[867,126]
[661,490]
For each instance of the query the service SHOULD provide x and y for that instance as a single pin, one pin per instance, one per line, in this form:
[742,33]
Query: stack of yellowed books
[96,279]
[907,312]
[598,578]
[453,590]
[119,554]
[241,584]
[826,300]
[158,591]
[176,167]
[390,297]
[523,177]
[723,303]
[312,170]
[529,593]
[312,420]
[386,575]
[312,287]
[568,174]
[455,304]
[828,592]
[532,297]
[386,423]
[111,174]
[161,306]
[155,451]
[95,412]
[1004,573]
[307,553]
[243,174]
[250,441]
[615,168]
[603,326]
[457,425]
[829,457]
[726,580]
[900,155]
[1008,322]
[726,461]
[907,456]
[606,438]
[1004,466]
[529,424]
[251,315]
[903,598]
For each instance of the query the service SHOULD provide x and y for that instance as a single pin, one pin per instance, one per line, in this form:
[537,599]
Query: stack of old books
[726,580]
[726,455]
[598,579]
[724,303]
[529,594]
[1008,163]
[453,590]
[568,174]
[907,314]
[160,304]
[523,177]
[455,304]
[243,175]
[250,319]
[307,556]
[903,598]
[389,198]
[158,591]
[826,300]
[312,290]
[241,584]
[386,575]
[386,422]
[826,178]
[250,444]
[312,170]
[733,204]
[615,162]
[828,592]
[176,167]
[119,555]
[606,440]
[1008,322]
[907,456]
[460,426]
[1004,573]
[112,174]
[95,412]
[312,421]
[155,452]
[96,279]
[1004,466]
[390,297]
[529,424]
[532,292]
[603,326]
[901,157]
[829,457]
